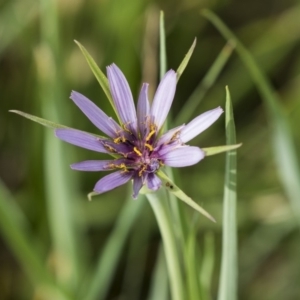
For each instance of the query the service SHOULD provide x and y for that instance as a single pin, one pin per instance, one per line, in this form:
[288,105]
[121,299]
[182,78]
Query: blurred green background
[41,64]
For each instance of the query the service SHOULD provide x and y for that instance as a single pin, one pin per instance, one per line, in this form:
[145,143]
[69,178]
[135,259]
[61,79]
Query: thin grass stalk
[107,262]
[228,277]
[191,105]
[60,203]
[162,214]
[283,145]
[159,284]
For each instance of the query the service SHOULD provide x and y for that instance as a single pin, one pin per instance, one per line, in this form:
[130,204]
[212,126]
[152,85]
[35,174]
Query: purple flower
[137,146]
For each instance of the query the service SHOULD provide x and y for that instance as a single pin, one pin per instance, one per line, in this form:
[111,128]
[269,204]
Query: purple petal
[112,181]
[122,97]
[96,165]
[183,156]
[199,124]
[96,115]
[81,139]
[137,185]
[170,135]
[143,108]
[163,98]
[153,182]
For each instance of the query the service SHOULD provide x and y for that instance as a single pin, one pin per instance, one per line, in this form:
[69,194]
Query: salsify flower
[137,146]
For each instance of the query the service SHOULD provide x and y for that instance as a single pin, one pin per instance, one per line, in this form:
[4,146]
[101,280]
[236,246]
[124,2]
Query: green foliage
[68,248]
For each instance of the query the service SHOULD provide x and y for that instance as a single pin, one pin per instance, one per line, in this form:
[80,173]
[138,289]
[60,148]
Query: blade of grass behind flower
[162,214]
[100,282]
[207,266]
[192,103]
[14,228]
[284,149]
[162,46]
[228,277]
[159,281]
[186,60]
[61,205]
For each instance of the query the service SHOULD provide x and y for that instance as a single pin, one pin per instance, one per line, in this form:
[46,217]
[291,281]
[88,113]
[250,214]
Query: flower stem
[162,215]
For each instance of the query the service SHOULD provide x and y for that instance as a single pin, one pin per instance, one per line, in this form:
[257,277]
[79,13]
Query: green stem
[164,222]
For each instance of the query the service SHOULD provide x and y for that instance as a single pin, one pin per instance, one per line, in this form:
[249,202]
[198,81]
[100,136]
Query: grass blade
[284,149]
[186,60]
[162,214]
[61,205]
[159,283]
[100,76]
[207,267]
[192,103]
[228,278]
[162,46]
[108,259]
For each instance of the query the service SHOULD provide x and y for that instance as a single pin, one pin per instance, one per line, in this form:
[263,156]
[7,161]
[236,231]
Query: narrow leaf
[220,149]
[211,76]
[228,279]
[282,139]
[162,46]
[174,189]
[100,76]
[186,59]
[45,122]
[107,262]
[41,121]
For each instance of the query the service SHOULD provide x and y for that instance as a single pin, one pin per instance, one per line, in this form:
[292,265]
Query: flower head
[137,146]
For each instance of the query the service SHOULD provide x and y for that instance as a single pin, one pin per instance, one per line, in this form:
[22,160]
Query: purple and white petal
[81,139]
[163,98]
[199,124]
[153,182]
[183,156]
[97,165]
[143,109]
[120,148]
[112,181]
[105,123]
[170,135]
[122,97]
[137,185]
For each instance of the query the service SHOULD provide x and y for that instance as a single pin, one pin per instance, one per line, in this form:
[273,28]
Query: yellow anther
[149,146]
[125,128]
[161,163]
[109,148]
[142,170]
[117,140]
[150,135]
[138,152]
[175,136]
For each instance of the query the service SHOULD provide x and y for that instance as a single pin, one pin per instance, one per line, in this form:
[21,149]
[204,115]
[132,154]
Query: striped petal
[183,156]
[96,165]
[81,139]
[96,115]
[112,181]
[143,109]
[122,97]
[137,185]
[163,99]
[199,124]
[153,182]
[170,136]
